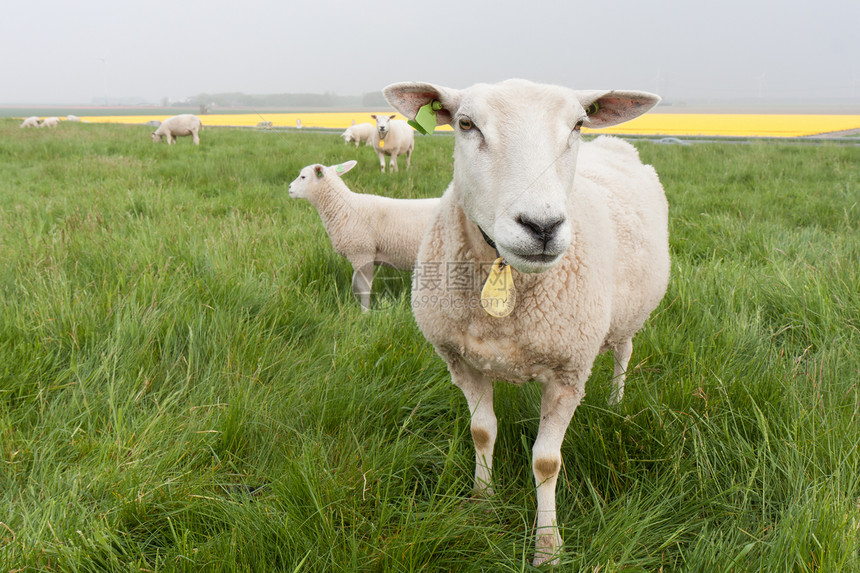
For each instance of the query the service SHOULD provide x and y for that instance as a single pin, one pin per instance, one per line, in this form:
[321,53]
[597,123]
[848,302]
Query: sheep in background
[392,137]
[72,118]
[580,262]
[50,122]
[362,132]
[366,229]
[32,121]
[179,125]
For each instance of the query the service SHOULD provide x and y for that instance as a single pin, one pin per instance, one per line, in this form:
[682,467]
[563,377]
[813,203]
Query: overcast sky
[56,51]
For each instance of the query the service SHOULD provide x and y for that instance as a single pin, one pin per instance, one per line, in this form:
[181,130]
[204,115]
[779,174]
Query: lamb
[179,125]
[32,121]
[362,132]
[50,122]
[366,229]
[580,262]
[392,137]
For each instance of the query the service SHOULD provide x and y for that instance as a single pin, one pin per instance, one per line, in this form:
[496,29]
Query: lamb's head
[515,151]
[314,178]
[383,124]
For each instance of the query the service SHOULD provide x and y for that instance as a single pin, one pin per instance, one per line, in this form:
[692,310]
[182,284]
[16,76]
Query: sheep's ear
[318,171]
[344,167]
[608,108]
[409,97]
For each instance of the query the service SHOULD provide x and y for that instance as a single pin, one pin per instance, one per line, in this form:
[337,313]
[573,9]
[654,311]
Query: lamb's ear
[319,171]
[344,167]
[408,97]
[608,108]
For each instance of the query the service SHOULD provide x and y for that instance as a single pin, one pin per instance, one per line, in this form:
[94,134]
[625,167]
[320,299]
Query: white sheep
[366,229]
[581,261]
[50,122]
[71,117]
[179,125]
[392,137]
[32,121]
[362,132]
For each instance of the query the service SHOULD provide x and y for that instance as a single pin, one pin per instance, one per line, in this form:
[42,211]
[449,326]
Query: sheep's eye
[578,126]
[465,123]
[302,177]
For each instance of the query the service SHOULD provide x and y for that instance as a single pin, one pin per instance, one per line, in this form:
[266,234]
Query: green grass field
[187,384]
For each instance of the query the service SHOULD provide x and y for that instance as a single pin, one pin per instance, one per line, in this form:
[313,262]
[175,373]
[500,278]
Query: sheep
[362,132]
[264,125]
[392,137]
[580,262]
[50,122]
[32,121]
[71,117]
[179,125]
[366,229]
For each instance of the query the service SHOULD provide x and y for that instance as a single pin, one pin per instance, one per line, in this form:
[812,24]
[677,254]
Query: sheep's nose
[543,231]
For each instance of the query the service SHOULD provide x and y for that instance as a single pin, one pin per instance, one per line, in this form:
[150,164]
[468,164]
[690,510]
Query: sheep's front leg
[381,156]
[558,403]
[408,157]
[621,356]
[478,390]
[362,282]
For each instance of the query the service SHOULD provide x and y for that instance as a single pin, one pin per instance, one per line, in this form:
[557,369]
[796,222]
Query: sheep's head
[515,151]
[383,124]
[308,182]
[155,137]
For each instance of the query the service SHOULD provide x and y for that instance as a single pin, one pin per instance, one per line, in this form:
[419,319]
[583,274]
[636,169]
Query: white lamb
[50,122]
[32,121]
[366,229]
[582,261]
[360,133]
[179,125]
[392,137]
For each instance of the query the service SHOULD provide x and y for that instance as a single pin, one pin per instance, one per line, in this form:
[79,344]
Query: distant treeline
[328,99]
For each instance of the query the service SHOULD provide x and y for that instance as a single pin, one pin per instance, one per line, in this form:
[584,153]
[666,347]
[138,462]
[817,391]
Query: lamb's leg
[621,356]
[362,281]
[478,390]
[558,403]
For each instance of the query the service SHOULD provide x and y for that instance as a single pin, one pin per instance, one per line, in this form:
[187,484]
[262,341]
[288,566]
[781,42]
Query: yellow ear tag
[499,296]
[381,143]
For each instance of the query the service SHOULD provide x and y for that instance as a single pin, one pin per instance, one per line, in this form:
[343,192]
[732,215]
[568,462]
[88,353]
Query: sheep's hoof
[547,547]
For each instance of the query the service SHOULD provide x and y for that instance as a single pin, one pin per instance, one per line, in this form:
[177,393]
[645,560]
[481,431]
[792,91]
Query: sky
[61,52]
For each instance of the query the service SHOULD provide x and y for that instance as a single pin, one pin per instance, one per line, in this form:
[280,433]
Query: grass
[187,384]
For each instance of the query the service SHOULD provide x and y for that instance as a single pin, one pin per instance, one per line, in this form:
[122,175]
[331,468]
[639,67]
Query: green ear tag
[425,119]
[593,108]
[339,168]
